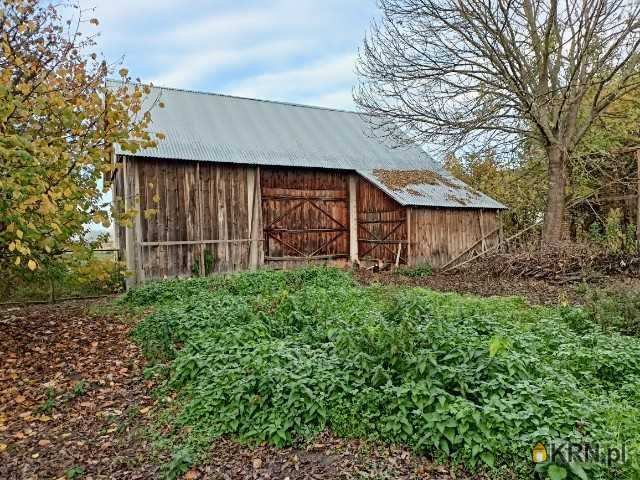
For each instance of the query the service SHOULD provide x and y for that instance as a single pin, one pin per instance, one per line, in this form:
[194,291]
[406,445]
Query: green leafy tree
[515,185]
[58,121]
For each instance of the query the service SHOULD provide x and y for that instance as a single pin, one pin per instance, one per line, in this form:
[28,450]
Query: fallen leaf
[3,447]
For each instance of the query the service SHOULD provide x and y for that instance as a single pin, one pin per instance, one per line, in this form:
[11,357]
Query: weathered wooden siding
[305,216]
[194,217]
[382,227]
[439,235]
[200,217]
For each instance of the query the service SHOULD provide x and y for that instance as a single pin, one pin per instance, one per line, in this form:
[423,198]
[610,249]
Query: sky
[299,51]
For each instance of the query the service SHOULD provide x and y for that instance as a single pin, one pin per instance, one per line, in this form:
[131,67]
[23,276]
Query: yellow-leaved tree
[58,122]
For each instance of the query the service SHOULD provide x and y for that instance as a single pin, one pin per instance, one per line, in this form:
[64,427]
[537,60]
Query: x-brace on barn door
[304,223]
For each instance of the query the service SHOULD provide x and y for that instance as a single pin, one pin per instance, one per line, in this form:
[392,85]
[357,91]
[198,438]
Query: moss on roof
[400,179]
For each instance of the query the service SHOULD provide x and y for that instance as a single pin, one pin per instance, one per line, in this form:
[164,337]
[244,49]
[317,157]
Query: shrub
[615,311]
[279,356]
[418,271]
[76,274]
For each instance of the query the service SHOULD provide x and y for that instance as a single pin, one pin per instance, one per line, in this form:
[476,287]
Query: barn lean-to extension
[240,184]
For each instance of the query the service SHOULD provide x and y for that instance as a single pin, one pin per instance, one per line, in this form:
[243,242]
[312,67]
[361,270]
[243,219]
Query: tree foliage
[515,185]
[58,121]
[602,163]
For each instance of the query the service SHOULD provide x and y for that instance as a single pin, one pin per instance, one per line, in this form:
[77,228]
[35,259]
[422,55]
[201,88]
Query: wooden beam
[482,237]
[203,272]
[408,220]
[470,248]
[382,242]
[305,259]
[305,230]
[353,218]
[196,242]
[255,207]
[138,222]
[304,197]
[129,237]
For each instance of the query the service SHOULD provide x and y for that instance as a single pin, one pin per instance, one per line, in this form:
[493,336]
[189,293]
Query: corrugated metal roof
[220,128]
[452,193]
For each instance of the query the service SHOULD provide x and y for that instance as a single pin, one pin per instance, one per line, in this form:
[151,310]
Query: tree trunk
[555,209]
[638,197]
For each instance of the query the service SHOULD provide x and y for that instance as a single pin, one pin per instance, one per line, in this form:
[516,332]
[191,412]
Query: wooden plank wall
[439,235]
[305,216]
[381,225]
[188,202]
[200,217]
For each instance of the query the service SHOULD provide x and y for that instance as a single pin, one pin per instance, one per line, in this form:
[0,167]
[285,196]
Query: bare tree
[461,73]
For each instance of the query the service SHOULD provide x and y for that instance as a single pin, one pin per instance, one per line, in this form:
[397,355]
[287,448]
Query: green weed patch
[280,356]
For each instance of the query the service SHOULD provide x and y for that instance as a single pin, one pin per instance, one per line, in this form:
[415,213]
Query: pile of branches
[560,263]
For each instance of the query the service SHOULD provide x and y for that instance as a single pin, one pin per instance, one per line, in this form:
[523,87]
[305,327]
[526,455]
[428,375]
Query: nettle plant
[279,357]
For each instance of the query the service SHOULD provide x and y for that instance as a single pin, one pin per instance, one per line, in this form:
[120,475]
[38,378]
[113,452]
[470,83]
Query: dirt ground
[71,390]
[74,404]
[537,292]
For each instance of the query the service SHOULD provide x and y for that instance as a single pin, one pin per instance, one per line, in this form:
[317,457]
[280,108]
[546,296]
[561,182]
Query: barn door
[305,216]
[381,236]
[382,226]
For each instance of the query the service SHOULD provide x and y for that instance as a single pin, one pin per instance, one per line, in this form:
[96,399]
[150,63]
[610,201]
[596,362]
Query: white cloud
[341,99]
[293,50]
[188,69]
[321,76]
[120,11]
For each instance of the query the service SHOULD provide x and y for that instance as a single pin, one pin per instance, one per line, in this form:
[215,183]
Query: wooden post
[254,209]
[353,218]
[203,272]
[408,220]
[137,232]
[129,240]
[484,243]
[500,232]
[638,198]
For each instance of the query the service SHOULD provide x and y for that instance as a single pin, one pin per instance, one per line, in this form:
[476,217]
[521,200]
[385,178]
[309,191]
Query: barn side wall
[439,235]
[194,217]
[200,217]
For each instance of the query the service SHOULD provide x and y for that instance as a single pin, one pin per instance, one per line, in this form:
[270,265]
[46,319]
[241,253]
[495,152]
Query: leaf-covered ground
[74,404]
[70,391]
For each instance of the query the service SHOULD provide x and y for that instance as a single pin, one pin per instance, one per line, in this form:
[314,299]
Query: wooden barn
[241,184]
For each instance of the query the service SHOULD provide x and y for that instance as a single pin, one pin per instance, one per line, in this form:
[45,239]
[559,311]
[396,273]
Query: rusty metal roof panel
[447,191]
[220,128]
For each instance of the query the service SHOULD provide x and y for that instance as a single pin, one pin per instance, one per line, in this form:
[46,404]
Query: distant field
[279,357]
